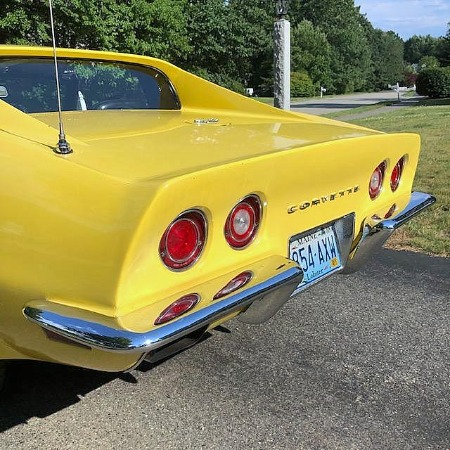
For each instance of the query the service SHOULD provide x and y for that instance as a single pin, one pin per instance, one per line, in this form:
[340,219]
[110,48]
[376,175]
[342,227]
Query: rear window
[29,85]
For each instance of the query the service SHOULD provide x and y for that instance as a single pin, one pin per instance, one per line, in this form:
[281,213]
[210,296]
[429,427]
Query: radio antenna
[62,147]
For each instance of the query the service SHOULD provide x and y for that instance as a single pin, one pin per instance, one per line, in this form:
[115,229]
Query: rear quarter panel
[284,181]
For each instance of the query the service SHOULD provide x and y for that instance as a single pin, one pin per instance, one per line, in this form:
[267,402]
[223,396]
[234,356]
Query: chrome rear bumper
[284,276]
[374,234]
[275,280]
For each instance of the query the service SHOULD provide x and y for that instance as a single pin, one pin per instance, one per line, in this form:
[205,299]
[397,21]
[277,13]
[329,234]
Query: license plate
[317,253]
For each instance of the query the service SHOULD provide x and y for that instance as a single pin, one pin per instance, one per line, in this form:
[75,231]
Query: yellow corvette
[175,206]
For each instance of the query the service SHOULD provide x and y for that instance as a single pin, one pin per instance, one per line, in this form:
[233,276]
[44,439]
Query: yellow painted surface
[83,230]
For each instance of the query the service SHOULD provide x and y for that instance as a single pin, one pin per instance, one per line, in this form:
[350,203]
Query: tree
[156,28]
[416,47]
[311,53]
[253,21]
[340,21]
[428,62]
[209,31]
[301,85]
[444,48]
[387,58]
[230,40]
[22,22]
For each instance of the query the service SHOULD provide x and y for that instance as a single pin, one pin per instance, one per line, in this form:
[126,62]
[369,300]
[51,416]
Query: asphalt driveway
[357,362]
[338,103]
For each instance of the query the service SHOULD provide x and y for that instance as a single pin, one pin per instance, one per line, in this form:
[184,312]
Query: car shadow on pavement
[38,389]
[35,389]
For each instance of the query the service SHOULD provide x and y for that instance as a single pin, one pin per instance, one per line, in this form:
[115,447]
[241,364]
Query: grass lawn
[358,110]
[269,100]
[266,100]
[430,231]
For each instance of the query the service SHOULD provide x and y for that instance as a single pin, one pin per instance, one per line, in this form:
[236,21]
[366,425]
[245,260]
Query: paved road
[329,104]
[357,362]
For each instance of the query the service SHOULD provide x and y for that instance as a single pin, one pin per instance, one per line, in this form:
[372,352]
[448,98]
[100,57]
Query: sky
[408,17]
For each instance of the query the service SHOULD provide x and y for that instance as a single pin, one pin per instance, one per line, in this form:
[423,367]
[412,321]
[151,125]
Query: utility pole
[282,57]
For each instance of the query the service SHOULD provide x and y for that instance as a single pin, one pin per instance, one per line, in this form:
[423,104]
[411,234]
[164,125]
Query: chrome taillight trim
[180,216]
[382,167]
[257,223]
[401,163]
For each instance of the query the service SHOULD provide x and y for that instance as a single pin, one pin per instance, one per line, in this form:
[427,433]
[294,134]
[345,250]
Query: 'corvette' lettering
[323,199]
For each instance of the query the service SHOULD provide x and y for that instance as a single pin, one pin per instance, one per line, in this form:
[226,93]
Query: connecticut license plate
[317,253]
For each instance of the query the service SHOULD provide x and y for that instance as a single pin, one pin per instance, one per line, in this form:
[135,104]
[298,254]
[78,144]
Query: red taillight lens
[183,241]
[397,174]
[236,283]
[376,181]
[243,222]
[178,308]
[391,211]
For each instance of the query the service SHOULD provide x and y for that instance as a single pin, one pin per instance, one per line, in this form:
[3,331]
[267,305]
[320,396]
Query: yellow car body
[82,279]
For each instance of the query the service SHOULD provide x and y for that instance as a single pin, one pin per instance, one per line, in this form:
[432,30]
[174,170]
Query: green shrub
[301,85]
[229,83]
[221,79]
[434,82]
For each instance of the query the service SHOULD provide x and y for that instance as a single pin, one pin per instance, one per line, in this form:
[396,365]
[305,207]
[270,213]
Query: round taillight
[397,174]
[376,181]
[178,308]
[183,240]
[243,222]
[236,283]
